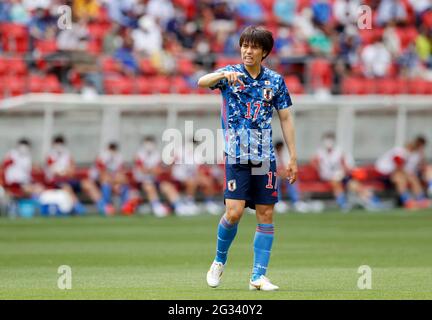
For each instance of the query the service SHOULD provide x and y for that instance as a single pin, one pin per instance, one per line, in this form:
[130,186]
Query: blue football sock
[341,200]
[124,194]
[106,192]
[101,206]
[404,197]
[262,248]
[226,234]
[421,196]
[79,208]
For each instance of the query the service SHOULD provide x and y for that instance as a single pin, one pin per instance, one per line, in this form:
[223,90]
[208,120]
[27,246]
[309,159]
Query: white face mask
[58,147]
[149,146]
[23,149]
[328,143]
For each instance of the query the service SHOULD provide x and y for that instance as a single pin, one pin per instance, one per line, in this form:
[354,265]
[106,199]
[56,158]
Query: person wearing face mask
[147,168]
[60,173]
[335,167]
[109,172]
[17,171]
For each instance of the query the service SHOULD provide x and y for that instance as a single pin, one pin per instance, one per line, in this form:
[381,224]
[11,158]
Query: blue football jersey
[247,112]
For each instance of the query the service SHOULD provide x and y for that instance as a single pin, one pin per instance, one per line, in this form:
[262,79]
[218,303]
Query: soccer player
[60,173]
[109,172]
[17,170]
[335,166]
[250,93]
[396,167]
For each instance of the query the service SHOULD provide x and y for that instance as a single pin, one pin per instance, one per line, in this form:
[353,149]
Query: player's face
[251,54]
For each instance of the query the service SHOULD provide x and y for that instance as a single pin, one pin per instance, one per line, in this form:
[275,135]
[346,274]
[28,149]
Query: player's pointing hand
[234,77]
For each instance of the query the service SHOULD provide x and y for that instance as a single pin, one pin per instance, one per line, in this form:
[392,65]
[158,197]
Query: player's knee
[234,213]
[265,215]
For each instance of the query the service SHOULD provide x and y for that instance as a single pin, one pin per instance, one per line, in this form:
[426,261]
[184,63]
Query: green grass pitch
[141,257]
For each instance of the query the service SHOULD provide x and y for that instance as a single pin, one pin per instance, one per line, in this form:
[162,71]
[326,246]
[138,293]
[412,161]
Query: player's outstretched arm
[213,78]
[287,125]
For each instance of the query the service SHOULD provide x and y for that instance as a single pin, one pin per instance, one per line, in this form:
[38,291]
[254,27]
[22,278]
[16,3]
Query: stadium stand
[185,38]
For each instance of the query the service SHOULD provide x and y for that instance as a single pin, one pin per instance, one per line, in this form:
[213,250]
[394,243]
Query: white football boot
[215,273]
[263,284]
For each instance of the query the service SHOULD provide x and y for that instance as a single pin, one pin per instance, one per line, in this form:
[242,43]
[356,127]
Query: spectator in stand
[391,11]
[346,12]
[285,11]
[409,63]
[395,166]
[17,170]
[5,8]
[320,43]
[110,173]
[424,46]
[322,11]
[250,11]
[126,57]
[147,38]
[392,41]
[18,13]
[420,7]
[42,26]
[349,46]
[87,9]
[161,10]
[60,173]
[376,59]
[119,11]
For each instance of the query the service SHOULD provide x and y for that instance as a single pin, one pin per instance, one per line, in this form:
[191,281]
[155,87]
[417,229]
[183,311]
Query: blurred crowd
[176,187]
[318,43]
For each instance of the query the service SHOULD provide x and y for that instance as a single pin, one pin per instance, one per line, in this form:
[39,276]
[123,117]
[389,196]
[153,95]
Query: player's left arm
[287,125]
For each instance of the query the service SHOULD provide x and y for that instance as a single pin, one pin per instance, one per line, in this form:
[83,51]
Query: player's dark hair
[279,145]
[59,139]
[420,141]
[329,135]
[258,36]
[24,141]
[113,146]
[149,138]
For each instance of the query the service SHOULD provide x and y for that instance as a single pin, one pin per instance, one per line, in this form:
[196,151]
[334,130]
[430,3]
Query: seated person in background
[147,168]
[109,172]
[396,167]
[17,171]
[334,166]
[292,189]
[60,173]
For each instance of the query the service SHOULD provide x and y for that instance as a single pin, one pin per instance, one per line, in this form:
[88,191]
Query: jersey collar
[247,73]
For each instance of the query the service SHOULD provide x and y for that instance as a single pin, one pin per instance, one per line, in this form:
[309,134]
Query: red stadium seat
[294,85]
[17,66]
[36,83]
[15,86]
[143,85]
[419,86]
[161,84]
[224,61]
[110,65]
[52,84]
[185,66]
[46,46]
[180,85]
[14,37]
[320,73]
[119,85]
[147,67]
[3,66]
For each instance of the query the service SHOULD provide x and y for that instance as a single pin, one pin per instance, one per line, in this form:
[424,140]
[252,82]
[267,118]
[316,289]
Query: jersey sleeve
[223,83]
[282,99]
